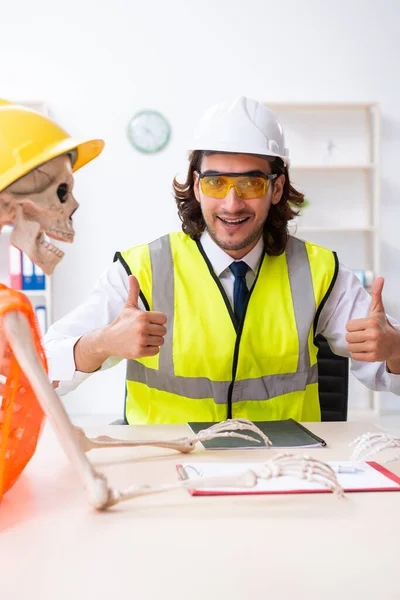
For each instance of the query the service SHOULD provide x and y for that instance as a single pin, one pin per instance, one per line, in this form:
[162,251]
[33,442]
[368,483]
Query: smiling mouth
[233,222]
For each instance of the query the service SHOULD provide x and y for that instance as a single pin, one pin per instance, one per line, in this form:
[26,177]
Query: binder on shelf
[33,277]
[41,315]
[15,267]
[28,274]
[39,278]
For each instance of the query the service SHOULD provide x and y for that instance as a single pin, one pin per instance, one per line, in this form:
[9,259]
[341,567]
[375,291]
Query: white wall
[95,63]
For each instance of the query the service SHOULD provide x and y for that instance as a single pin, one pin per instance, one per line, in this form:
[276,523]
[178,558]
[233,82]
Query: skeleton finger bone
[371,444]
[229,428]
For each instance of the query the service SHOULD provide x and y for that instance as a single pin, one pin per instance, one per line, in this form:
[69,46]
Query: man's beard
[236,244]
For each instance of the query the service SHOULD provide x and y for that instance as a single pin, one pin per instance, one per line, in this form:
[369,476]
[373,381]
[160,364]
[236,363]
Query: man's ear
[278,189]
[196,186]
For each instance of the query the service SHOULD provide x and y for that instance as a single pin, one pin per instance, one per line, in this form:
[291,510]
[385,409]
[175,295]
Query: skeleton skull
[41,203]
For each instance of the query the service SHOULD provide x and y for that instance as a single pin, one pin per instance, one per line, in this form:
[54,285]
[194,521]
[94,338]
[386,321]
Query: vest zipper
[237,325]
[237,345]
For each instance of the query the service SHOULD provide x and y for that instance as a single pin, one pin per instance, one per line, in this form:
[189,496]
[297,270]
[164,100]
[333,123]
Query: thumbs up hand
[374,339]
[377,307]
[135,333]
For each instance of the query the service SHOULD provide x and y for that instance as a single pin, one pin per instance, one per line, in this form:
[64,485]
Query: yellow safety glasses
[247,185]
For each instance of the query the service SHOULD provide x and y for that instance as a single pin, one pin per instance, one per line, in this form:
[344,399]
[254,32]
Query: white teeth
[51,248]
[233,221]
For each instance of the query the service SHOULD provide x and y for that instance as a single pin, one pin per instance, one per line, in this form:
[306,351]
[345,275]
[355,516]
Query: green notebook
[283,434]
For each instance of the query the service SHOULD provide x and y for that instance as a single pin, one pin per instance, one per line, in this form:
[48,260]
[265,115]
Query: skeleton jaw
[28,236]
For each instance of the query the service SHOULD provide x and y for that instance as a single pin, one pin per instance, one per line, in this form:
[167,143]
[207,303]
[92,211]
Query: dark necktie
[240,291]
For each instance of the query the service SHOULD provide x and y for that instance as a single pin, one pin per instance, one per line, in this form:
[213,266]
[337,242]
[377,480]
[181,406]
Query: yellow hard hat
[29,139]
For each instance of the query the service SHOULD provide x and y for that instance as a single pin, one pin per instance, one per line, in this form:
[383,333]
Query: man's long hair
[276,225]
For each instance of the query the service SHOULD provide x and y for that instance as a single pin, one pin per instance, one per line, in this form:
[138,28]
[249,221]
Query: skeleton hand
[227,428]
[369,444]
[303,467]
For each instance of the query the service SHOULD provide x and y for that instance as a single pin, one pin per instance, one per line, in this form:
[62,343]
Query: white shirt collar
[220,260]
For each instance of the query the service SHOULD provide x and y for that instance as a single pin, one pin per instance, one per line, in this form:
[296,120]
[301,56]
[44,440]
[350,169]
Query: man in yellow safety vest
[219,320]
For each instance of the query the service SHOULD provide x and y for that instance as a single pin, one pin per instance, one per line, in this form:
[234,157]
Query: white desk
[311,546]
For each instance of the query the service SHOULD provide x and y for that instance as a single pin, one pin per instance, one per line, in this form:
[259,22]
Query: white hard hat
[243,126]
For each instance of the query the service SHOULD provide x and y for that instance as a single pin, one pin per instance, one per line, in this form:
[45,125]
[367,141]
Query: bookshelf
[334,152]
[38,298]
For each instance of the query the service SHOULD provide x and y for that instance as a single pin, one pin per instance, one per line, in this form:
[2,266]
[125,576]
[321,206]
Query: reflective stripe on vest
[260,388]
[196,388]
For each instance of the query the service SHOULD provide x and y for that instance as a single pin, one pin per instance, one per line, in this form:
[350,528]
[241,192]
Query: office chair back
[333,382]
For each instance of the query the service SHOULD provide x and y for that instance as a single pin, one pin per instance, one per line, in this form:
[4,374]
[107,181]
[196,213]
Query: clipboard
[361,477]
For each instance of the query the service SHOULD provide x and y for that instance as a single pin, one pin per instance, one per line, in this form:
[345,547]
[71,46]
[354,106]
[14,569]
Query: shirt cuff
[61,359]
[109,363]
[394,382]
[65,387]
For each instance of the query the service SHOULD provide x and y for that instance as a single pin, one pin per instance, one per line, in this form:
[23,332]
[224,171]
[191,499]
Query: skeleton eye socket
[62,192]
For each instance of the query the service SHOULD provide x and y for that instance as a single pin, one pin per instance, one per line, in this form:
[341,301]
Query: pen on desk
[348,469]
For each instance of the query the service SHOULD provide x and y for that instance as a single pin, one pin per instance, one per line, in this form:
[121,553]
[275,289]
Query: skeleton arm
[74,443]
[185,445]
[19,336]
[301,467]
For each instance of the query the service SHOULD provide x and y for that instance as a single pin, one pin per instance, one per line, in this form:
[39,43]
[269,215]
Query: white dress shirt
[348,300]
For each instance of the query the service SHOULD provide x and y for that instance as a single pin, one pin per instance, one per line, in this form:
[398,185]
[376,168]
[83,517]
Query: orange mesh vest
[21,417]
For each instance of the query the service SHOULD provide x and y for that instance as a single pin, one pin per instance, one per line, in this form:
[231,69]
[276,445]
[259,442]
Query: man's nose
[232,202]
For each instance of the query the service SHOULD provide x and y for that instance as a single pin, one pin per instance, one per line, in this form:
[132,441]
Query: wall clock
[148,131]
